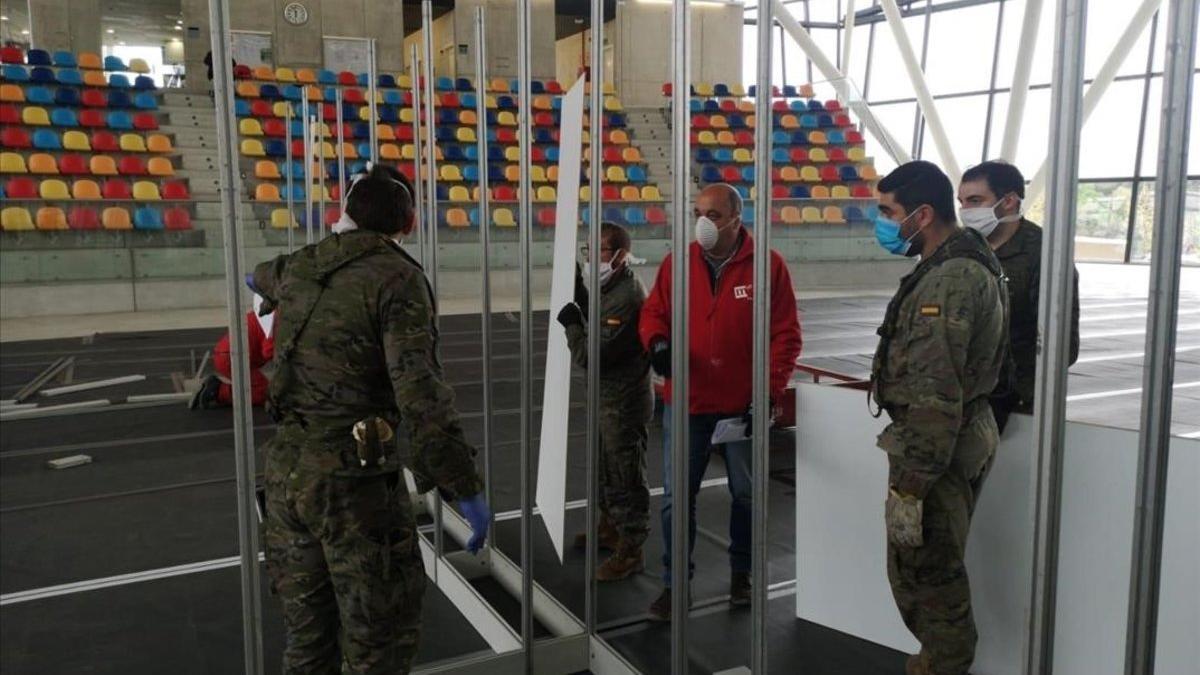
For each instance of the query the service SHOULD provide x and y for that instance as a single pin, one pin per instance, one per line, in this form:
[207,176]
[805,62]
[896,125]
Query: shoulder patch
[931,310]
[612,321]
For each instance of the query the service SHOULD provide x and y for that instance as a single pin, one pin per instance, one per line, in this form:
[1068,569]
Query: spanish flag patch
[931,310]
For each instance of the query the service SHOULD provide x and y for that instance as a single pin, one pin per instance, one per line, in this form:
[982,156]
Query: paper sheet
[729,430]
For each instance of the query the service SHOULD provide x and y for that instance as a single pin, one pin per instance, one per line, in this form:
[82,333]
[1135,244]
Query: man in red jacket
[216,390]
[720,353]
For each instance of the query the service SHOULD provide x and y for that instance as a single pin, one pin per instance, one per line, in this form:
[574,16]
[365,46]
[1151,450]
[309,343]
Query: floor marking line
[1124,392]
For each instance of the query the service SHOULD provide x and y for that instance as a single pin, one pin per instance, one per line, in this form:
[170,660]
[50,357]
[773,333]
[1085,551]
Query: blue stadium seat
[468,100]
[45,139]
[269,92]
[799,138]
[363,80]
[42,75]
[14,73]
[331,171]
[145,101]
[798,106]
[393,97]
[470,172]
[710,174]
[556,103]
[114,63]
[37,57]
[636,174]
[64,59]
[363,149]
[748,213]
[444,84]
[635,215]
[799,192]
[329,94]
[748,174]
[144,83]
[552,154]
[495,154]
[387,114]
[695,106]
[349,111]
[711,106]
[743,191]
[853,214]
[474,217]
[721,90]
[614,214]
[503,102]
[615,120]
[537,87]
[241,107]
[326,77]
[736,121]
[297,191]
[146,218]
[472,154]
[808,121]
[296,169]
[444,135]
[39,96]
[848,173]
[491,123]
[495,173]
[453,153]
[386,80]
[357,166]
[723,156]
[781,138]
[70,77]
[66,96]
[63,117]
[298,128]
[543,135]
[447,117]
[359,130]
[815,106]
[118,81]
[779,156]
[835,137]
[824,120]
[443,190]
[275,147]
[704,155]
[291,92]
[118,99]
[463,84]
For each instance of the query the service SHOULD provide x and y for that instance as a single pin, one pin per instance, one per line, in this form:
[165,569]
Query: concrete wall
[444,61]
[502,38]
[73,25]
[642,58]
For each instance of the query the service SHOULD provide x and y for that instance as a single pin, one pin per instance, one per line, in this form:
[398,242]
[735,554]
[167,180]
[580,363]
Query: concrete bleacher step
[196,139]
[190,118]
[176,99]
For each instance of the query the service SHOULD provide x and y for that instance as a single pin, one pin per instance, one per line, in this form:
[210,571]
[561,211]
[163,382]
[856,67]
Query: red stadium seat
[610,193]
[175,189]
[94,98]
[779,191]
[14,137]
[347,78]
[730,174]
[798,155]
[699,121]
[177,218]
[543,119]
[12,55]
[21,188]
[73,165]
[145,122]
[537,154]
[116,189]
[842,120]
[667,89]
[861,192]
[728,105]
[354,96]
[131,165]
[9,114]
[743,138]
[450,100]
[829,174]
[854,137]
[655,215]
[506,135]
[504,193]
[780,107]
[274,127]
[83,218]
[241,72]
[409,170]
[404,133]
[612,155]
[545,217]
[92,118]
[837,154]
[262,108]
[833,106]
[103,141]
[328,112]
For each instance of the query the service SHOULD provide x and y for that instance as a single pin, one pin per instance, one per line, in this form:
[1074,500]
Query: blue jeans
[738,463]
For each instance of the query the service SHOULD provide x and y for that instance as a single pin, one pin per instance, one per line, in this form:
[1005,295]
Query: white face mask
[606,271]
[983,218]
[707,233]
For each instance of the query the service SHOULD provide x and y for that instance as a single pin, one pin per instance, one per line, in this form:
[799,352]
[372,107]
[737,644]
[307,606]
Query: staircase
[649,132]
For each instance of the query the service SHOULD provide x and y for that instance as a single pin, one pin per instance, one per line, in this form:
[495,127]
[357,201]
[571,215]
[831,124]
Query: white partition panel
[841,573]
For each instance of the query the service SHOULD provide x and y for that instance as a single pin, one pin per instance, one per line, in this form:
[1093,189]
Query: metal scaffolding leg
[485,242]
[525,263]
[418,184]
[595,101]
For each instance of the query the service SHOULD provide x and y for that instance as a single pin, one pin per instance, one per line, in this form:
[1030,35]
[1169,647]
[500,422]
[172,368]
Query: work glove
[660,357]
[904,515]
[570,315]
[477,513]
[250,283]
[581,291]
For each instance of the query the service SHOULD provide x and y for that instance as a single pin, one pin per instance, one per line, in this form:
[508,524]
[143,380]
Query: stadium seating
[115,218]
[15,218]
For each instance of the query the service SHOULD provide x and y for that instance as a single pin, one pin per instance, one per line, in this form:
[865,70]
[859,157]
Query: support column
[73,25]
[502,40]
[197,40]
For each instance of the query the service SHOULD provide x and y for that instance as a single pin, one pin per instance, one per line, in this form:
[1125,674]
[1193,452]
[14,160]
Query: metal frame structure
[306,128]
[418,182]
[485,242]
[291,206]
[596,126]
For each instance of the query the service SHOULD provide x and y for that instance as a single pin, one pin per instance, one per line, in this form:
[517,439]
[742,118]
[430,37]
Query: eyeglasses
[584,250]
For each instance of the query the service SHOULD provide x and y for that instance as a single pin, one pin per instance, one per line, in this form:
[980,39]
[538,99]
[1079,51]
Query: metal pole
[319,231]
[291,206]
[431,176]
[596,103]
[1170,209]
[431,208]
[308,158]
[485,243]
[1020,86]
[848,42]
[341,151]
[987,127]
[1057,288]
[680,240]
[372,103]
[243,417]
[418,184]
[1131,217]
[760,396]
[525,263]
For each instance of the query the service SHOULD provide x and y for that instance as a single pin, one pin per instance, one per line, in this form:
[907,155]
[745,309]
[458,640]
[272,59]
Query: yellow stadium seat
[839,192]
[85,189]
[790,215]
[791,174]
[102,165]
[76,140]
[615,174]
[160,166]
[817,138]
[505,118]
[585,193]
[465,135]
[541,103]
[546,193]
[306,76]
[364,114]
[820,192]
[408,151]
[587,139]
[833,214]
[512,173]
[285,74]
[811,214]
[650,193]
[857,154]
[450,173]
[631,193]
[703,89]
[95,78]
[145,191]
[263,74]
[133,143]
[512,154]
[389,151]
[11,93]
[503,218]
[384,132]
[818,155]
[537,174]
[35,116]
[867,172]
[266,169]
[115,218]
[53,188]
[457,218]
[248,126]
[467,117]
[15,218]
[247,89]
[139,66]
[810,174]
[460,193]
[89,61]
[406,115]
[266,192]
[742,156]
[51,218]
[159,143]
[42,163]
[706,137]
[718,122]
[613,104]
[789,122]
[737,90]
[403,81]
[11,162]
[618,137]
[326,151]
[609,89]
[490,102]
[281,108]
[281,219]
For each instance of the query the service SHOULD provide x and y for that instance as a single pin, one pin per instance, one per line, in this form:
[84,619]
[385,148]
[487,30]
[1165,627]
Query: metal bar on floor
[760,396]
[525,265]
[1170,211]
[680,240]
[373,101]
[485,240]
[418,184]
[1056,292]
[596,126]
[243,417]
[291,204]
[431,168]
[341,151]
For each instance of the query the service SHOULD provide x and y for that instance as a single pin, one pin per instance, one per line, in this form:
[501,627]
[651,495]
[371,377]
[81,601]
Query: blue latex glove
[476,510]
[250,283]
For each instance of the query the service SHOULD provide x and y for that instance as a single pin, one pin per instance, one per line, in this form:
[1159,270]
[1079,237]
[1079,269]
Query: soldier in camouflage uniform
[626,404]
[942,345]
[990,195]
[356,340]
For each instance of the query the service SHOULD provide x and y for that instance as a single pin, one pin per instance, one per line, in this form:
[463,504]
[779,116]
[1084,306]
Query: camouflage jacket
[355,336]
[943,343]
[1021,257]
[622,358]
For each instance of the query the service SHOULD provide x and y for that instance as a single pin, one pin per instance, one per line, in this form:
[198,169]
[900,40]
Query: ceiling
[139,22]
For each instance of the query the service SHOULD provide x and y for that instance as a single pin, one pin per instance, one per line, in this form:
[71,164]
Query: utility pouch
[372,436]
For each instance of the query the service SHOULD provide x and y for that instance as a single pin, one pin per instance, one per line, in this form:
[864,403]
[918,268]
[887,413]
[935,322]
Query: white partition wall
[840,565]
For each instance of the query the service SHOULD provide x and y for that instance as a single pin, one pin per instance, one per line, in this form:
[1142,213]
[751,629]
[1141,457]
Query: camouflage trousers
[342,555]
[930,583]
[624,492]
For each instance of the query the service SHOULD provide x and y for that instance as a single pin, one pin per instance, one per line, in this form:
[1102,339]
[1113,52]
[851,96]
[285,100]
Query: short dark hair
[1002,178]
[617,236]
[917,183]
[381,201]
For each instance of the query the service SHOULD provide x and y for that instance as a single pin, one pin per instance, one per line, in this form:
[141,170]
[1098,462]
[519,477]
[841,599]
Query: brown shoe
[605,532]
[620,565]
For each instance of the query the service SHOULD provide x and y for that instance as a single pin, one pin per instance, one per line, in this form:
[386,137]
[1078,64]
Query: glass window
[1010,44]
[1143,226]
[897,118]
[1108,140]
[1101,220]
[857,71]
[1153,120]
[960,49]
[1104,28]
[889,79]
[964,119]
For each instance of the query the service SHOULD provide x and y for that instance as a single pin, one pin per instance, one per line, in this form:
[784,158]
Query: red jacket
[720,328]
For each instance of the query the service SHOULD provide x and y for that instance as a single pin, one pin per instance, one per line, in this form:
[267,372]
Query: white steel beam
[1020,86]
[848,35]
